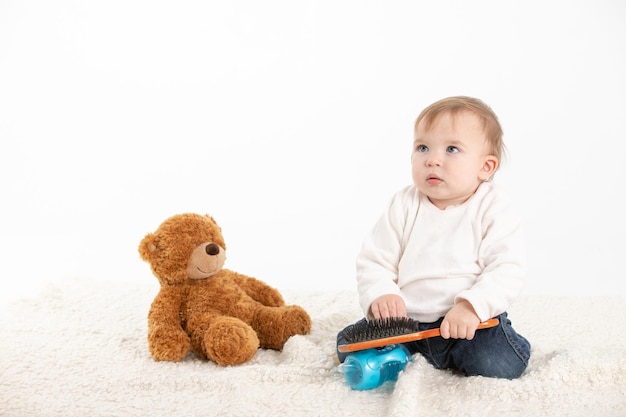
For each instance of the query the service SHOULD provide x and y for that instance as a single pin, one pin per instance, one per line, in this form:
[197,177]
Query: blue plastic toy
[371,368]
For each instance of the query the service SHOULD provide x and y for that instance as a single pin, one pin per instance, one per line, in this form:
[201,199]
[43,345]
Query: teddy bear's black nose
[212,249]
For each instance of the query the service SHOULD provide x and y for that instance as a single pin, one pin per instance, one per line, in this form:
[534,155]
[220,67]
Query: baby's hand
[461,322]
[389,305]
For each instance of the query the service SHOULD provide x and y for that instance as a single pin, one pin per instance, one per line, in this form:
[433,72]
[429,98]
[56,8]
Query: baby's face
[451,158]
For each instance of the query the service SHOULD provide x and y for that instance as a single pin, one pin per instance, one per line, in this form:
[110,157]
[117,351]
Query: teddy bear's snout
[212,249]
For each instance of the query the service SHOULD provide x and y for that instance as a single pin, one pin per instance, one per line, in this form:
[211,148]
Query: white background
[291,123]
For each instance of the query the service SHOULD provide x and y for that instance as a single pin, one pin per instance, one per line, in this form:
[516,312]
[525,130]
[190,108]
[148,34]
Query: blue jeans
[497,352]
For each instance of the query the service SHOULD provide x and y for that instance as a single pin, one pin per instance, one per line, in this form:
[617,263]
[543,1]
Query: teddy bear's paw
[229,341]
[276,325]
[270,297]
[296,321]
[168,345]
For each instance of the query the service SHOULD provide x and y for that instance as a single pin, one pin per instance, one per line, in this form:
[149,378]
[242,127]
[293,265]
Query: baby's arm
[460,322]
[377,262]
[388,305]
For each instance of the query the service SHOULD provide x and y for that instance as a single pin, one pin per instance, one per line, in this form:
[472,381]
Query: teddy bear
[217,313]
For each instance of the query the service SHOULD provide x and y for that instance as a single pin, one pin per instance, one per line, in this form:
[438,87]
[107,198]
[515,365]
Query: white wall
[291,123]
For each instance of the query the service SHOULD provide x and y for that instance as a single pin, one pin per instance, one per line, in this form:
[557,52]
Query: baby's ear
[490,164]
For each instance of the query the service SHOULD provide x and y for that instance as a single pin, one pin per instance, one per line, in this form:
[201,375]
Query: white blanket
[79,349]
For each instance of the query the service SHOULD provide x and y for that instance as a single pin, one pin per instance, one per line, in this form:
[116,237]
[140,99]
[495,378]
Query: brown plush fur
[219,314]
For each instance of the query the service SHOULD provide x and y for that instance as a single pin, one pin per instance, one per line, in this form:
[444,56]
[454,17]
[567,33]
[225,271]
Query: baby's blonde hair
[454,105]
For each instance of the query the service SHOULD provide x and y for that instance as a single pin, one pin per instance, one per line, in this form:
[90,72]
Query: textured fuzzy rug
[79,349]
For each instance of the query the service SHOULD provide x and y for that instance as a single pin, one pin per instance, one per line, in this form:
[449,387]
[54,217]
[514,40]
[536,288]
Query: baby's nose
[433,160]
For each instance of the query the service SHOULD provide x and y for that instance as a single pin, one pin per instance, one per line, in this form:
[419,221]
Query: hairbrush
[376,333]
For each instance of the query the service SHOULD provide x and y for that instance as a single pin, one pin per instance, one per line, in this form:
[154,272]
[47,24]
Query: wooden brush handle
[404,338]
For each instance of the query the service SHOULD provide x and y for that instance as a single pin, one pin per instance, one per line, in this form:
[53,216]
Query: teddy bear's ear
[147,246]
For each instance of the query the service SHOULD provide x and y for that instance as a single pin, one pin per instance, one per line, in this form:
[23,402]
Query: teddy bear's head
[185,246]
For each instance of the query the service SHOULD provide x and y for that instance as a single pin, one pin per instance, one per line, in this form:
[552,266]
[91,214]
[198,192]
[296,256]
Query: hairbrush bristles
[379,328]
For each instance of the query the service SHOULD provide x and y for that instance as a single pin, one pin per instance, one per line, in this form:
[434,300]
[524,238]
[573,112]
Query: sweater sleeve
[378,259]
[502,259]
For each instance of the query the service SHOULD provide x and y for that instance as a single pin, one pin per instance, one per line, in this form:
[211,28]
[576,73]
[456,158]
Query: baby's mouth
[433,180]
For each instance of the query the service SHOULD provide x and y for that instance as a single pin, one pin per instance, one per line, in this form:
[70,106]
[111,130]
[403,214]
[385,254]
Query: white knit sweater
[432,257]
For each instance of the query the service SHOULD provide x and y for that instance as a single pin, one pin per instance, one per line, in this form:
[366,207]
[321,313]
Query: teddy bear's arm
[259,290]
[167,340]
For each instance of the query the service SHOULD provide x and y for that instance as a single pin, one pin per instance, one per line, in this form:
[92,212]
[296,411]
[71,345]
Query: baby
[448,250]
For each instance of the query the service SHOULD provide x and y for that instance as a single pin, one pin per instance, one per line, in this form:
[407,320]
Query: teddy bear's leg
[274,325]
[225,340]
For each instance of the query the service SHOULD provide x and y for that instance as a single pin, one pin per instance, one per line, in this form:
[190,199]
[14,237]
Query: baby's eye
[421,148]
[452,149]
